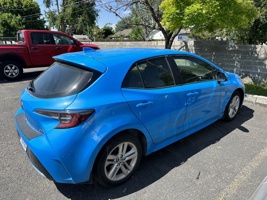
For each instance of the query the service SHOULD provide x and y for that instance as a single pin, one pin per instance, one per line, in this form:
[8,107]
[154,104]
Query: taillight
[67,119]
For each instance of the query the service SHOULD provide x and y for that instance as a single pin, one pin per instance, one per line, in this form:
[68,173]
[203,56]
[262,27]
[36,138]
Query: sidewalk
[261,192]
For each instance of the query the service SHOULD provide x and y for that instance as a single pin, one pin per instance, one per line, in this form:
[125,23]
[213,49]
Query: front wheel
[232,107]
[11,70]
[118,160]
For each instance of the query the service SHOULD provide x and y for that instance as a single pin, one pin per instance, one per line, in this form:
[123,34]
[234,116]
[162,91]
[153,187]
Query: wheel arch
[135,132]
[132,134]
[242,93]
[13,57]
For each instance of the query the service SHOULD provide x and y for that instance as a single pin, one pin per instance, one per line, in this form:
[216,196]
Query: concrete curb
[256,99]
[261,191]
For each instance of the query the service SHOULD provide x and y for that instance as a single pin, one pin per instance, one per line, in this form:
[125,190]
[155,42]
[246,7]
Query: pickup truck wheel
[11,70]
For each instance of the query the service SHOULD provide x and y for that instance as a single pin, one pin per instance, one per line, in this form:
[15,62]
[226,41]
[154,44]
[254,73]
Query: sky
[104,17]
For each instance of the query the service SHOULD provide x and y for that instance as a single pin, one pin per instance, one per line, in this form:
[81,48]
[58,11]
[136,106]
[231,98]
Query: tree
[72,16]
[124,23]
[170,16]
[19,14]
[107,31]
[257,33]
[140,18]
[208,15]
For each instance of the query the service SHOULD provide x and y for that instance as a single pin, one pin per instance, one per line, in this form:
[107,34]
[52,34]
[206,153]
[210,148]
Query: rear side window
[20,37]
[62,80]
[150,73]
[42,38]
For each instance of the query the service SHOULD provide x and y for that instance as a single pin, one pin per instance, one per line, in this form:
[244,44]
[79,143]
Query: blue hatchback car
[94,114]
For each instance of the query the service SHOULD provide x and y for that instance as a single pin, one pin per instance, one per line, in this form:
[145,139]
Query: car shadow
[158,164]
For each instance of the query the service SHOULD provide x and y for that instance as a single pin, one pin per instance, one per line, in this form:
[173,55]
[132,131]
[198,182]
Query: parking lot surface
[222,161]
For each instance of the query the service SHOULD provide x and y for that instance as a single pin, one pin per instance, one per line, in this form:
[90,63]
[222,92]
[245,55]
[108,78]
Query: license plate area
[24,145]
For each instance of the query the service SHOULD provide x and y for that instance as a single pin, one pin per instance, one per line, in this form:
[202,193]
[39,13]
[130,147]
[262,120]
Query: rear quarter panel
[12,52]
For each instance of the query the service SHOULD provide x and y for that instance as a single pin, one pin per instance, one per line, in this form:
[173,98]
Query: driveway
[222,161]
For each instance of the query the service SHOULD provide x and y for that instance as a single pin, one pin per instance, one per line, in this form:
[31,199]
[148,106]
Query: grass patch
[256,89]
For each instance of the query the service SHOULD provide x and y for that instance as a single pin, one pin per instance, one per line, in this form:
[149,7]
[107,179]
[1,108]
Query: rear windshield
[62,80]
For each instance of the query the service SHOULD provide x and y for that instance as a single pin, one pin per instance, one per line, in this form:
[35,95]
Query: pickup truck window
[62,39]
[42,38]
[20,37]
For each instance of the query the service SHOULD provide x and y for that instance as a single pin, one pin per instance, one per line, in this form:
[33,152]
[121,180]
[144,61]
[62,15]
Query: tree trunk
[168,43]
[169,38]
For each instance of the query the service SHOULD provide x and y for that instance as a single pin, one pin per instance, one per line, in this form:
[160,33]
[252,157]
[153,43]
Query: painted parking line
[244,175]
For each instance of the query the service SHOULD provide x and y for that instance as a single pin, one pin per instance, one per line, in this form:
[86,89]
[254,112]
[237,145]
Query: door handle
[145,104]
[34,48]
[58,47]
[192,94]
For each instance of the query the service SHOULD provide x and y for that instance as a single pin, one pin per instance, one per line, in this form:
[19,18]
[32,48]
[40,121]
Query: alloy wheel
[121,161]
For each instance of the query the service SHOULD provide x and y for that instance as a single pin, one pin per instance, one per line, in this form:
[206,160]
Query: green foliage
[106,31]
[73,16]
[208,15]
[257,33]
[19,14]
[124,23]
[256,89]
[140,19]
[137,33]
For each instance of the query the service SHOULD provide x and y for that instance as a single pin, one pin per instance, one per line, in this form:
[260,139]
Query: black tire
[11,70]
[232,107]
[119,167]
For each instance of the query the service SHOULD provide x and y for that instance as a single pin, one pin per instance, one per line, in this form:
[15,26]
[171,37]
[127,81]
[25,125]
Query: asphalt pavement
[222,161]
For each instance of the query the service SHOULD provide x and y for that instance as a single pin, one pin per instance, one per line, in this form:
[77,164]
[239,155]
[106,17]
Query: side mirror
[221,77]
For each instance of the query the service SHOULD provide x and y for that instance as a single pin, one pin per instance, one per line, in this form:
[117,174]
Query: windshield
[62,80]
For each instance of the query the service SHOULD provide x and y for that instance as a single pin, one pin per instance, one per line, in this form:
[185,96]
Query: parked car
[96,113]
[35,48]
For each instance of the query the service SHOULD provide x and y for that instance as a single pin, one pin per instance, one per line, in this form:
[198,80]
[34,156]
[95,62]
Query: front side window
[194,70]
[150,73]
[62,39]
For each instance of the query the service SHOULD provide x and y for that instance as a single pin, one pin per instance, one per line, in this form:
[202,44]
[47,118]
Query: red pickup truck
[35,48]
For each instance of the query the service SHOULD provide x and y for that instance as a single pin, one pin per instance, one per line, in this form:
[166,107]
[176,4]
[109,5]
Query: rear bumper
[38,165]
[41,154]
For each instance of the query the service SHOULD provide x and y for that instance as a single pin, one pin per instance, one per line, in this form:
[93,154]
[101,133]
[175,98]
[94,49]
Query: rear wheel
[232,107]
[118,160]
[11,70]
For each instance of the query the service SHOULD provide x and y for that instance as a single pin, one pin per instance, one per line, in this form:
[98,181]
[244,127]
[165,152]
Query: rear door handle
[34,48]
[145,104]
[58,47]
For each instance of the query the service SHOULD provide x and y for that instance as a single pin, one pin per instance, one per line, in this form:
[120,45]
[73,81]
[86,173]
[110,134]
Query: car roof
[101,59]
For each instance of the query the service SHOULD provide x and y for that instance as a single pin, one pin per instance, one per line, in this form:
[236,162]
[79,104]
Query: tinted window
[194,70]
[42,38]
[62,80]
[150,73]
[62,39]
[133,79]
[20,37]
[155,73]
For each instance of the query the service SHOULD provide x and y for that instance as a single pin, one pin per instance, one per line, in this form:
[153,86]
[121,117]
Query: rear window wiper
[31,87]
